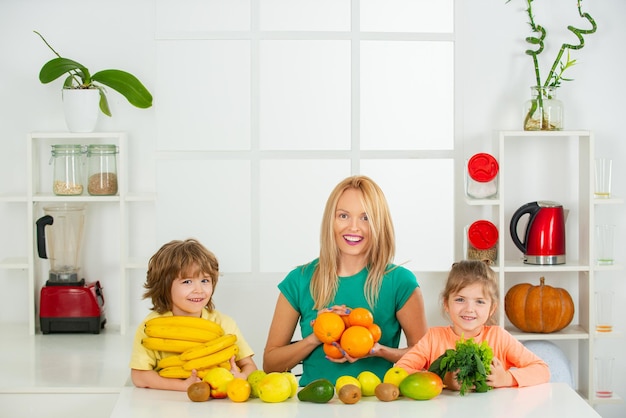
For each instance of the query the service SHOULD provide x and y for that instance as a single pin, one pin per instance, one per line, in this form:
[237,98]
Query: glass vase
[543,112]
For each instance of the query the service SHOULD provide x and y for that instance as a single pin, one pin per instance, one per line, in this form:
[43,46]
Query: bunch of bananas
[198,344]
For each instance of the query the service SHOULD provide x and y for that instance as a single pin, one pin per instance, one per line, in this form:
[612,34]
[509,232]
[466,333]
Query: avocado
[318,391]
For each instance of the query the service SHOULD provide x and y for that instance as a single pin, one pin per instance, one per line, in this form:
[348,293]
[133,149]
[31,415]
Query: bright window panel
[407,95]
[305,95]
[208,200]
[305,15]
[292,199]
[211,109]
[420,194]
[188,16]
[430,16]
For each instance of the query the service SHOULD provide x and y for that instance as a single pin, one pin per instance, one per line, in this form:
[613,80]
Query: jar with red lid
[481,180]
[481,241]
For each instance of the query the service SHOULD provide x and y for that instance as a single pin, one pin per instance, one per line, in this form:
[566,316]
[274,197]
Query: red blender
[67,304]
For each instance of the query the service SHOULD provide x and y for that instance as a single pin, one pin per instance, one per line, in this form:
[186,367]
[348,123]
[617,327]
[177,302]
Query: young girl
[470,299]
[354,269]
[181,280]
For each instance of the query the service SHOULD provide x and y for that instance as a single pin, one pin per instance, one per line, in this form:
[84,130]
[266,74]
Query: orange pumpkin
[540,308]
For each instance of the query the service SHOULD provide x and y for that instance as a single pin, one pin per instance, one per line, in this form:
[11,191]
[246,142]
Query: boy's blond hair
[176,259]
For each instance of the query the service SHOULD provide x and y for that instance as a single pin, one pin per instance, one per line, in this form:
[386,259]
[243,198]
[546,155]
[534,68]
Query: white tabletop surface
[548,400]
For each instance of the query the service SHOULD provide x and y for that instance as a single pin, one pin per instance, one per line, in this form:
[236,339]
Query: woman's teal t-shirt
[397,285]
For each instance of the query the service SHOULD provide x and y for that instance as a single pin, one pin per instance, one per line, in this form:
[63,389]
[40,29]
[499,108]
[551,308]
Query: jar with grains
[102,163]
[67,179]
[481,180]
[481,241]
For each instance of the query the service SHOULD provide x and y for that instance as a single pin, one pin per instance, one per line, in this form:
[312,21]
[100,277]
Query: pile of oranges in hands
[355,333]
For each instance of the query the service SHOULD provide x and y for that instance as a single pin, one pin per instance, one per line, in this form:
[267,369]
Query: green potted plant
[543,111]
[79,78]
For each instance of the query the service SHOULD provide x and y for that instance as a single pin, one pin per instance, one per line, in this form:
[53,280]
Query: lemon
[275,387]
[368,381]
[346,380]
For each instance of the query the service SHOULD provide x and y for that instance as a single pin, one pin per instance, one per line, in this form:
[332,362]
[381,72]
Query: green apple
[368,381]
[254,378]
[395,375]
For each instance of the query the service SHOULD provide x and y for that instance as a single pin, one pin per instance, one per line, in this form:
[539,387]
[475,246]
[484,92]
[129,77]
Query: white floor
[61,375]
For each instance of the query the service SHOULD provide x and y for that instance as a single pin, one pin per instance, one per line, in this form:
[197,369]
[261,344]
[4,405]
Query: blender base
[79,325]
[72,308]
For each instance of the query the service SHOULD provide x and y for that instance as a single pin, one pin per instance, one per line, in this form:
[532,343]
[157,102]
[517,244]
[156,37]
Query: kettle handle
[41,234]
[529,208]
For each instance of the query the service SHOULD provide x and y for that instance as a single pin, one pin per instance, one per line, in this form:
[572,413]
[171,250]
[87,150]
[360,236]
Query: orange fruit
[357,341]
[361,316]
[376,332]
[346,320]
[328,327]
[332,351]
[238,390]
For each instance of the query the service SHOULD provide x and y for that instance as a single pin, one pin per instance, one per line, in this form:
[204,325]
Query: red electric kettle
[544,241]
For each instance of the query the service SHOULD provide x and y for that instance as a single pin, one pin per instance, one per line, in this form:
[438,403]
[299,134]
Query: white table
[548,400]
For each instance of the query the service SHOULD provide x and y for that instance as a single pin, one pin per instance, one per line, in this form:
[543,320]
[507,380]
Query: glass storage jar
[102,163]
[481,180]
[481,241]
[68,170]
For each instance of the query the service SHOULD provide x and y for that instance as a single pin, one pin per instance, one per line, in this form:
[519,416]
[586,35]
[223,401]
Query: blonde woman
[354,269]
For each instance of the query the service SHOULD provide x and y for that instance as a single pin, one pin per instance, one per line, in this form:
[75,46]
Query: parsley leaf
[473,362]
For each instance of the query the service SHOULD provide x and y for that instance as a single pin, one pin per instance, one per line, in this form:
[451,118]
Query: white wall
[492,81]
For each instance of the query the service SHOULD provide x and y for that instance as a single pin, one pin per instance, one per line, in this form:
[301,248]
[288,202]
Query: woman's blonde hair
[380,254]
[468,272]
[176,259]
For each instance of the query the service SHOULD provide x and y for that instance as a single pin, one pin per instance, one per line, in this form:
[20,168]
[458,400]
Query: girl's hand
[499,377]
[450,382]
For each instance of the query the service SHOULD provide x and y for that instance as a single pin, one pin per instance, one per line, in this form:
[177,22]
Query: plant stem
[46,42]
[71,73]
[581,43]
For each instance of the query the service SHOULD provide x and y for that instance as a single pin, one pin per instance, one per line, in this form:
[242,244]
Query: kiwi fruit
[199,391]
[387,392]
[349,394]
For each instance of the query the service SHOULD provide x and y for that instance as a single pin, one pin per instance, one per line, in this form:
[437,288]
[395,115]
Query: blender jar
[59,239]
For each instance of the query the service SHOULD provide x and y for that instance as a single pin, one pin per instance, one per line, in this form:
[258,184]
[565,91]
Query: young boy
[181,280]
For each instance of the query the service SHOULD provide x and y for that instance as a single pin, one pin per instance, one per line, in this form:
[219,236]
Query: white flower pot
[81,109]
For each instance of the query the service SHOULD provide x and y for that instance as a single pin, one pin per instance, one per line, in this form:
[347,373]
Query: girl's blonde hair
[468,272]
[176,259]
[380,254]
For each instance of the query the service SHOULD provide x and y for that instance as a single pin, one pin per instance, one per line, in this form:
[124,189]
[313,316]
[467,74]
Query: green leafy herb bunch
[473,362]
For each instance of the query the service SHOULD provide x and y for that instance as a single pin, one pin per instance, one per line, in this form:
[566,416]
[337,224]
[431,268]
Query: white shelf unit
[39,192]
[528,163]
